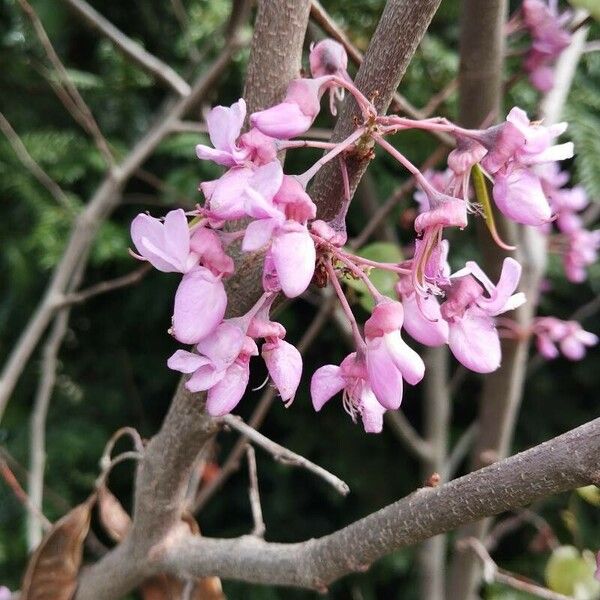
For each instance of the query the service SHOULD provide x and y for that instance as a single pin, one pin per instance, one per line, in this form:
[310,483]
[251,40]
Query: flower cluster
[549,37]
[255,205]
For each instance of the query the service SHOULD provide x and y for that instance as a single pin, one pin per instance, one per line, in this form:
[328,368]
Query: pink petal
[520,197]
[225,395]
[326,382]
[425,323]
[258,234]
[283,121]
[504,289]
[409,363]
[294,256]
[186,362]
[475,343]
[384,376]
[227,198]
[371,411]
[225,123]
[285,367]
[200,303]
[204,378]
[177,236]
[166,251]
[224,345]
[207,245]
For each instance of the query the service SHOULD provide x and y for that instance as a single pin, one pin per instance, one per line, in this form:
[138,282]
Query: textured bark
[560,464]
[399,32]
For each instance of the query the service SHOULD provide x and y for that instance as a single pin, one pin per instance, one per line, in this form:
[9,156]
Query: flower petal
[186,362]
[384,376]
[475,343]
[294,256]
[285,367]
[200,303]
[326,382]
[225,395]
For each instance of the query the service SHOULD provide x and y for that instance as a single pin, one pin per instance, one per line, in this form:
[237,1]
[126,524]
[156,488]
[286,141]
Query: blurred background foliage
[112,368]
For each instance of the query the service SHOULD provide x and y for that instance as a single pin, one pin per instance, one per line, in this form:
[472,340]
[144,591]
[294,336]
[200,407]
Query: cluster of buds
[256,205]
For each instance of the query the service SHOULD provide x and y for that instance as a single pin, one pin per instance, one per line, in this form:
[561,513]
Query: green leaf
[590,493]
[592,6]
[384,281]
[571,572]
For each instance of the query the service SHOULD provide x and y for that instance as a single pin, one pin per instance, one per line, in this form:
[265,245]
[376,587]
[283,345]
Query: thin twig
[103,287]
[20,493]
[491,573]
[148,62]
[254,495]
[132,433]
[37,458]
[85,116]
[510,524]
[283,455]
[31,165]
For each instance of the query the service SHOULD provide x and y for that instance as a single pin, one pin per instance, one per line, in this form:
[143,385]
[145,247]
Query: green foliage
[384,281]
[571,572]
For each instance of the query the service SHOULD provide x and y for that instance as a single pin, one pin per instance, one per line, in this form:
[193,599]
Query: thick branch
[132,50]
[401,28]
[563,463]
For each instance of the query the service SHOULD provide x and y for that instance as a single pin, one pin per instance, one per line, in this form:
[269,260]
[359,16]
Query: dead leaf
[114,518]
[53,568]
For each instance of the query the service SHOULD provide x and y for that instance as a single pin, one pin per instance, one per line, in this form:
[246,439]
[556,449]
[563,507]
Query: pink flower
[522,142]
[519,195]
[292,250]
[359,399]
[389,358]
[473,337]
[221,367]
[285,367]
[5,593]
[328,57]
[296,113]
[549,39]
[200,303]
[571,337]
[422,317]
[224,127]
[243,191]
[166,246]
[582,251]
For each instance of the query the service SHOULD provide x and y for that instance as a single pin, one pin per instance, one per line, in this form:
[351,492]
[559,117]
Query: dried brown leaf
[114,518]
[53,568]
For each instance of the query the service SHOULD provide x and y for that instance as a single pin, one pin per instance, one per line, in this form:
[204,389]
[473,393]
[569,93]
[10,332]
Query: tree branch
[132,50]
[284,455]
[560,464]
[32,166]
[401,28]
